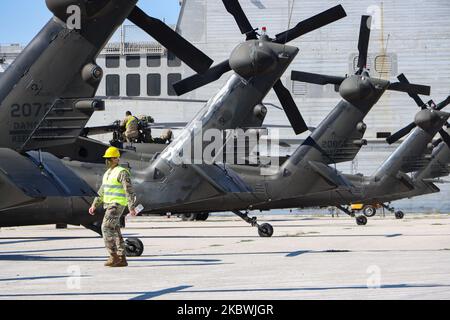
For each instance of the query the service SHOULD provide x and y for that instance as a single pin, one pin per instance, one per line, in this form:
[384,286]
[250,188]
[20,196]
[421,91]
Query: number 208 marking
[332,144]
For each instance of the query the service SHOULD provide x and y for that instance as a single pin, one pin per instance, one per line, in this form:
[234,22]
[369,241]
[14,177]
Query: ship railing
[126,48]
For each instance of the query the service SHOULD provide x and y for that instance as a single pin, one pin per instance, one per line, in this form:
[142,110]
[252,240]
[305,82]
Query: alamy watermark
[252,147]
[74,280]
[374,279]
[74,17]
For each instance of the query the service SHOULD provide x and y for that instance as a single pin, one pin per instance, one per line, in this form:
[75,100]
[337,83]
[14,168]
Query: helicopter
[428,163]
[47,92]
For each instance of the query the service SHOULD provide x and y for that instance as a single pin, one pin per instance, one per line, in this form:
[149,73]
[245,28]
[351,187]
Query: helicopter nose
[356,88]
[253,58]
[63,8]
[431,119]
[259,57]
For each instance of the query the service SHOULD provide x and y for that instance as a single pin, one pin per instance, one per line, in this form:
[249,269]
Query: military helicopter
[49,87]
[165,182]
[417,154]
[438,165]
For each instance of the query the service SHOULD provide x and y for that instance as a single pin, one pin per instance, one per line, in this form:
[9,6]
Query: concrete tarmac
[308,257]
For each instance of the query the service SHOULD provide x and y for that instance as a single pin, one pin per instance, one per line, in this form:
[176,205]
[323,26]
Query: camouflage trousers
[131,135]
[111,230]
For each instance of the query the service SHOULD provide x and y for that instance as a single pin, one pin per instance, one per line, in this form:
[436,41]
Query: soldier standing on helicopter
[131,125]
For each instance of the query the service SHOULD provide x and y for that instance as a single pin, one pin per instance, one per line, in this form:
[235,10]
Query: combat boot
[120,262]
[113,259]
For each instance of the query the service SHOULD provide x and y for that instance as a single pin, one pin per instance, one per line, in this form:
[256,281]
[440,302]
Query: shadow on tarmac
[138,295]
[19,257]
[17,240]
[388,286]
[288,236]
[49,250]
[41,278]
[28,255]
[182,289]
[39,239]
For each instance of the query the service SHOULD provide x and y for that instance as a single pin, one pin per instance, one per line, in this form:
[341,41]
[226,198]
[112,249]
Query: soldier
[115,194]
[167,136]
[131,124]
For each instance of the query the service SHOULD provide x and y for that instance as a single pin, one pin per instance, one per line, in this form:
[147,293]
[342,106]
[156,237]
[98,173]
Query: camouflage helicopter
[163,181]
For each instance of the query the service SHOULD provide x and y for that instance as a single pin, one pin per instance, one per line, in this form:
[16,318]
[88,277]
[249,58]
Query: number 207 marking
[29,109]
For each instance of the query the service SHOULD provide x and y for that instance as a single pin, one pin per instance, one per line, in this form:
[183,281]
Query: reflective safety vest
[113,191]
[132,121]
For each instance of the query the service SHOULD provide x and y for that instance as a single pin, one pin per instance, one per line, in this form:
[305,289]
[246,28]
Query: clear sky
[20,20]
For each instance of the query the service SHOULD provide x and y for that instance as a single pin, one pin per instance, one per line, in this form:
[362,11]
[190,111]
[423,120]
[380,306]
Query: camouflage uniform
[131,128]
[111,222]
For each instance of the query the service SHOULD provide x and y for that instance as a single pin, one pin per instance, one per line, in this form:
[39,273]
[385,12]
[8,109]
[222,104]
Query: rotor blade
[91,131]
[311,24]
[235,9]
[363,43]
[402,78]
[437,142]
[445,136]
[443,104]
[175,43]
[410,88]
[199,80]
[316,78]
[401,133]
[167,125]
[151,99]
[290,108]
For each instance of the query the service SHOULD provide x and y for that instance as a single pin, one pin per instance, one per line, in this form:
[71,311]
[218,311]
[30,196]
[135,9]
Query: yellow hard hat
[112,152]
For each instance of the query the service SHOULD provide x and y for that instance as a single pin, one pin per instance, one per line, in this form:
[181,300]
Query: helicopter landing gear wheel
[188,216]
[265,230]
[399,215]
[369,211]
[134,247]
[202,216]
[361,220]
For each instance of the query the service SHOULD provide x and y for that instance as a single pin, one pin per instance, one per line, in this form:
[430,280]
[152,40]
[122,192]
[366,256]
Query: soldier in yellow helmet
[131,125]
[116,193]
